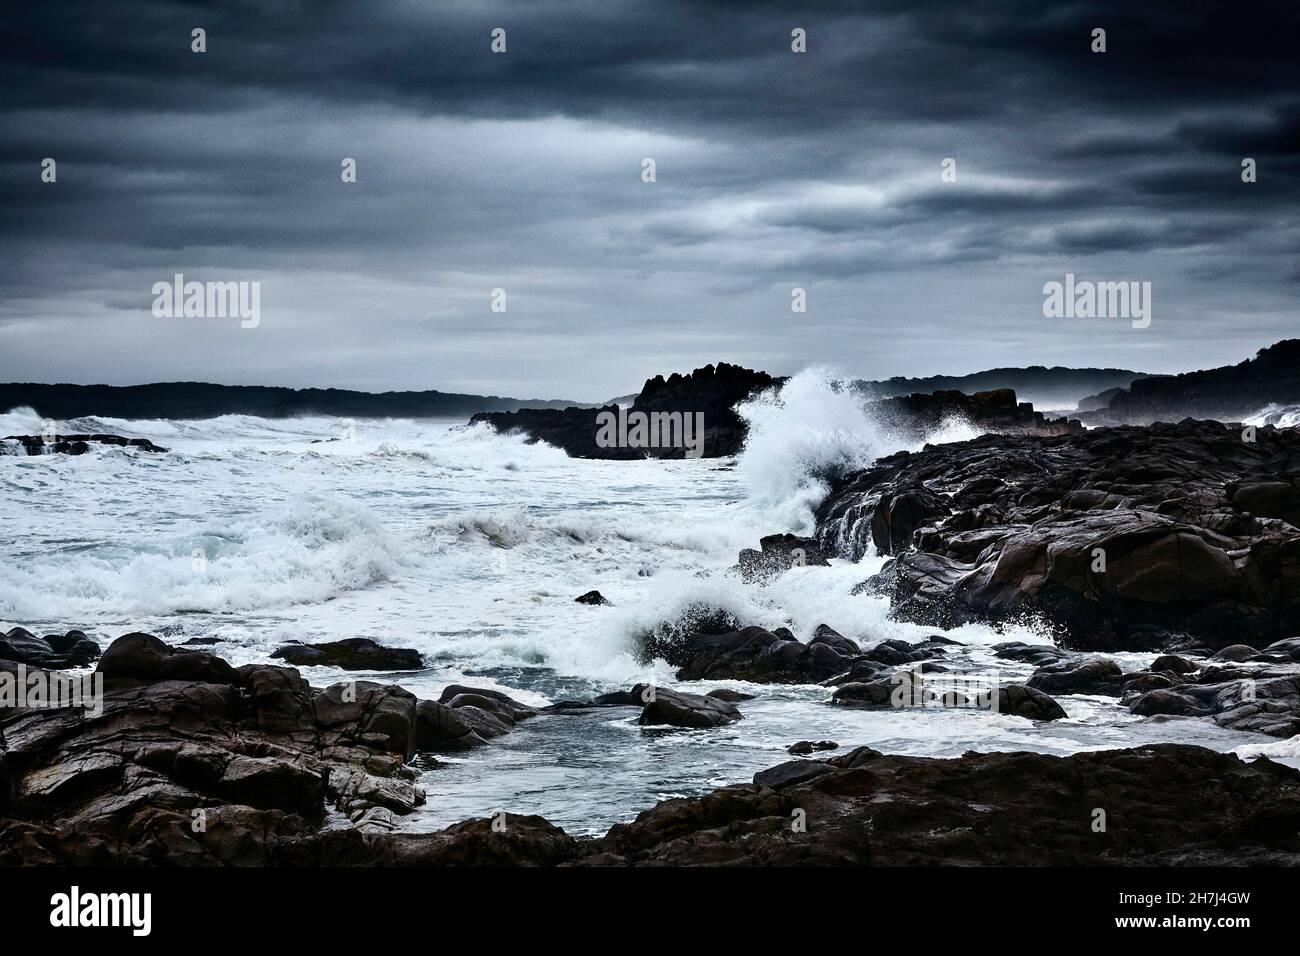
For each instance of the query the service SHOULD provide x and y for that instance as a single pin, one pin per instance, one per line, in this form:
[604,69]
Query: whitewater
[470,547]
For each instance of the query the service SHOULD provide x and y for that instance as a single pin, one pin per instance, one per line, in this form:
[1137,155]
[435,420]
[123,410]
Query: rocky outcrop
[192,761]
[1229,393]
[75,444]
[710,391]
[1163,536]
[1163,805]
[352,654]
[992,411]
[779,553]
[73,649]
[594,598]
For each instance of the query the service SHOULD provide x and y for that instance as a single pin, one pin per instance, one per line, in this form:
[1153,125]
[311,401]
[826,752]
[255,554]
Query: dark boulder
[352,654]
[593,597]
[73,649]
[678,709]
[144,657]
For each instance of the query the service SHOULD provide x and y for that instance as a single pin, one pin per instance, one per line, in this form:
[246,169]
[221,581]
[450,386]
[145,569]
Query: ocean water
[471,546]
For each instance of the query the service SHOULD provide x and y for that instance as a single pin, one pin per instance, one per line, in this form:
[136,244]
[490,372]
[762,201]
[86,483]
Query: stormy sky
[523,171]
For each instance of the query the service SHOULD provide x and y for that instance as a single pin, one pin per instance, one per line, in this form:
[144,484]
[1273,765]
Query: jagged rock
[779,553]
[1167,805]
[678,709]
[73,649]
[995,410]
[352,654]
[712,392]
[190,761]
[593,597]
[1123,538]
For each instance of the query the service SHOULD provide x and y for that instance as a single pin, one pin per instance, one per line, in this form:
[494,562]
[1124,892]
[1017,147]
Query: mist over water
[470,547]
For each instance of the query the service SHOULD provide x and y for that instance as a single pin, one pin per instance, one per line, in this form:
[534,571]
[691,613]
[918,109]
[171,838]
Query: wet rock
[1284,650]
[1181,806]
[191,761]
[593,597]
[808,746]
[730,696]
[676,709]
[1040,655]
[1122,538]
[779,553]
[73,649]
[352,654]
[78,444]
[1174,664]
[144,657]
[791,772]
[1094,676]
[1236,653]
[709,391]
[1028,702]
[1267,705]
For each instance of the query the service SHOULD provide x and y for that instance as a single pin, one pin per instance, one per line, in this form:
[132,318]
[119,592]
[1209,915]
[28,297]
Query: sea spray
[800,438]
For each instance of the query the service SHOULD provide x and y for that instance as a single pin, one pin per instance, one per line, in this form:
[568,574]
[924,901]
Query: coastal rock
[710,391]
[352,654]
[144,657]
[1167,805]
[804,747]
[77,444]
[191,761]
[677,709]
[1094,676]
[593,597]
[779,553]
[73,649]
[995,410]
[1122,538]
[1267,704]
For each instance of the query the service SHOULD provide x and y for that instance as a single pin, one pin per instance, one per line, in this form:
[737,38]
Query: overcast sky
[522,171]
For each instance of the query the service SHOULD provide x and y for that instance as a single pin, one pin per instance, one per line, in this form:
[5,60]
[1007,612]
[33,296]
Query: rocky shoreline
[1162,537]
[193,761]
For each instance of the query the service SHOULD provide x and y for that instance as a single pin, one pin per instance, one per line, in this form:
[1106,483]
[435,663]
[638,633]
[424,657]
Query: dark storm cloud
[521,171]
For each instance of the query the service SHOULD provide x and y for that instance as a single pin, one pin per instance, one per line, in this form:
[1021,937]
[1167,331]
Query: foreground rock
[1125,538]
[1165,805]
[73,649]
[710,391]
[353,654]
[75,444]
[192,761]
